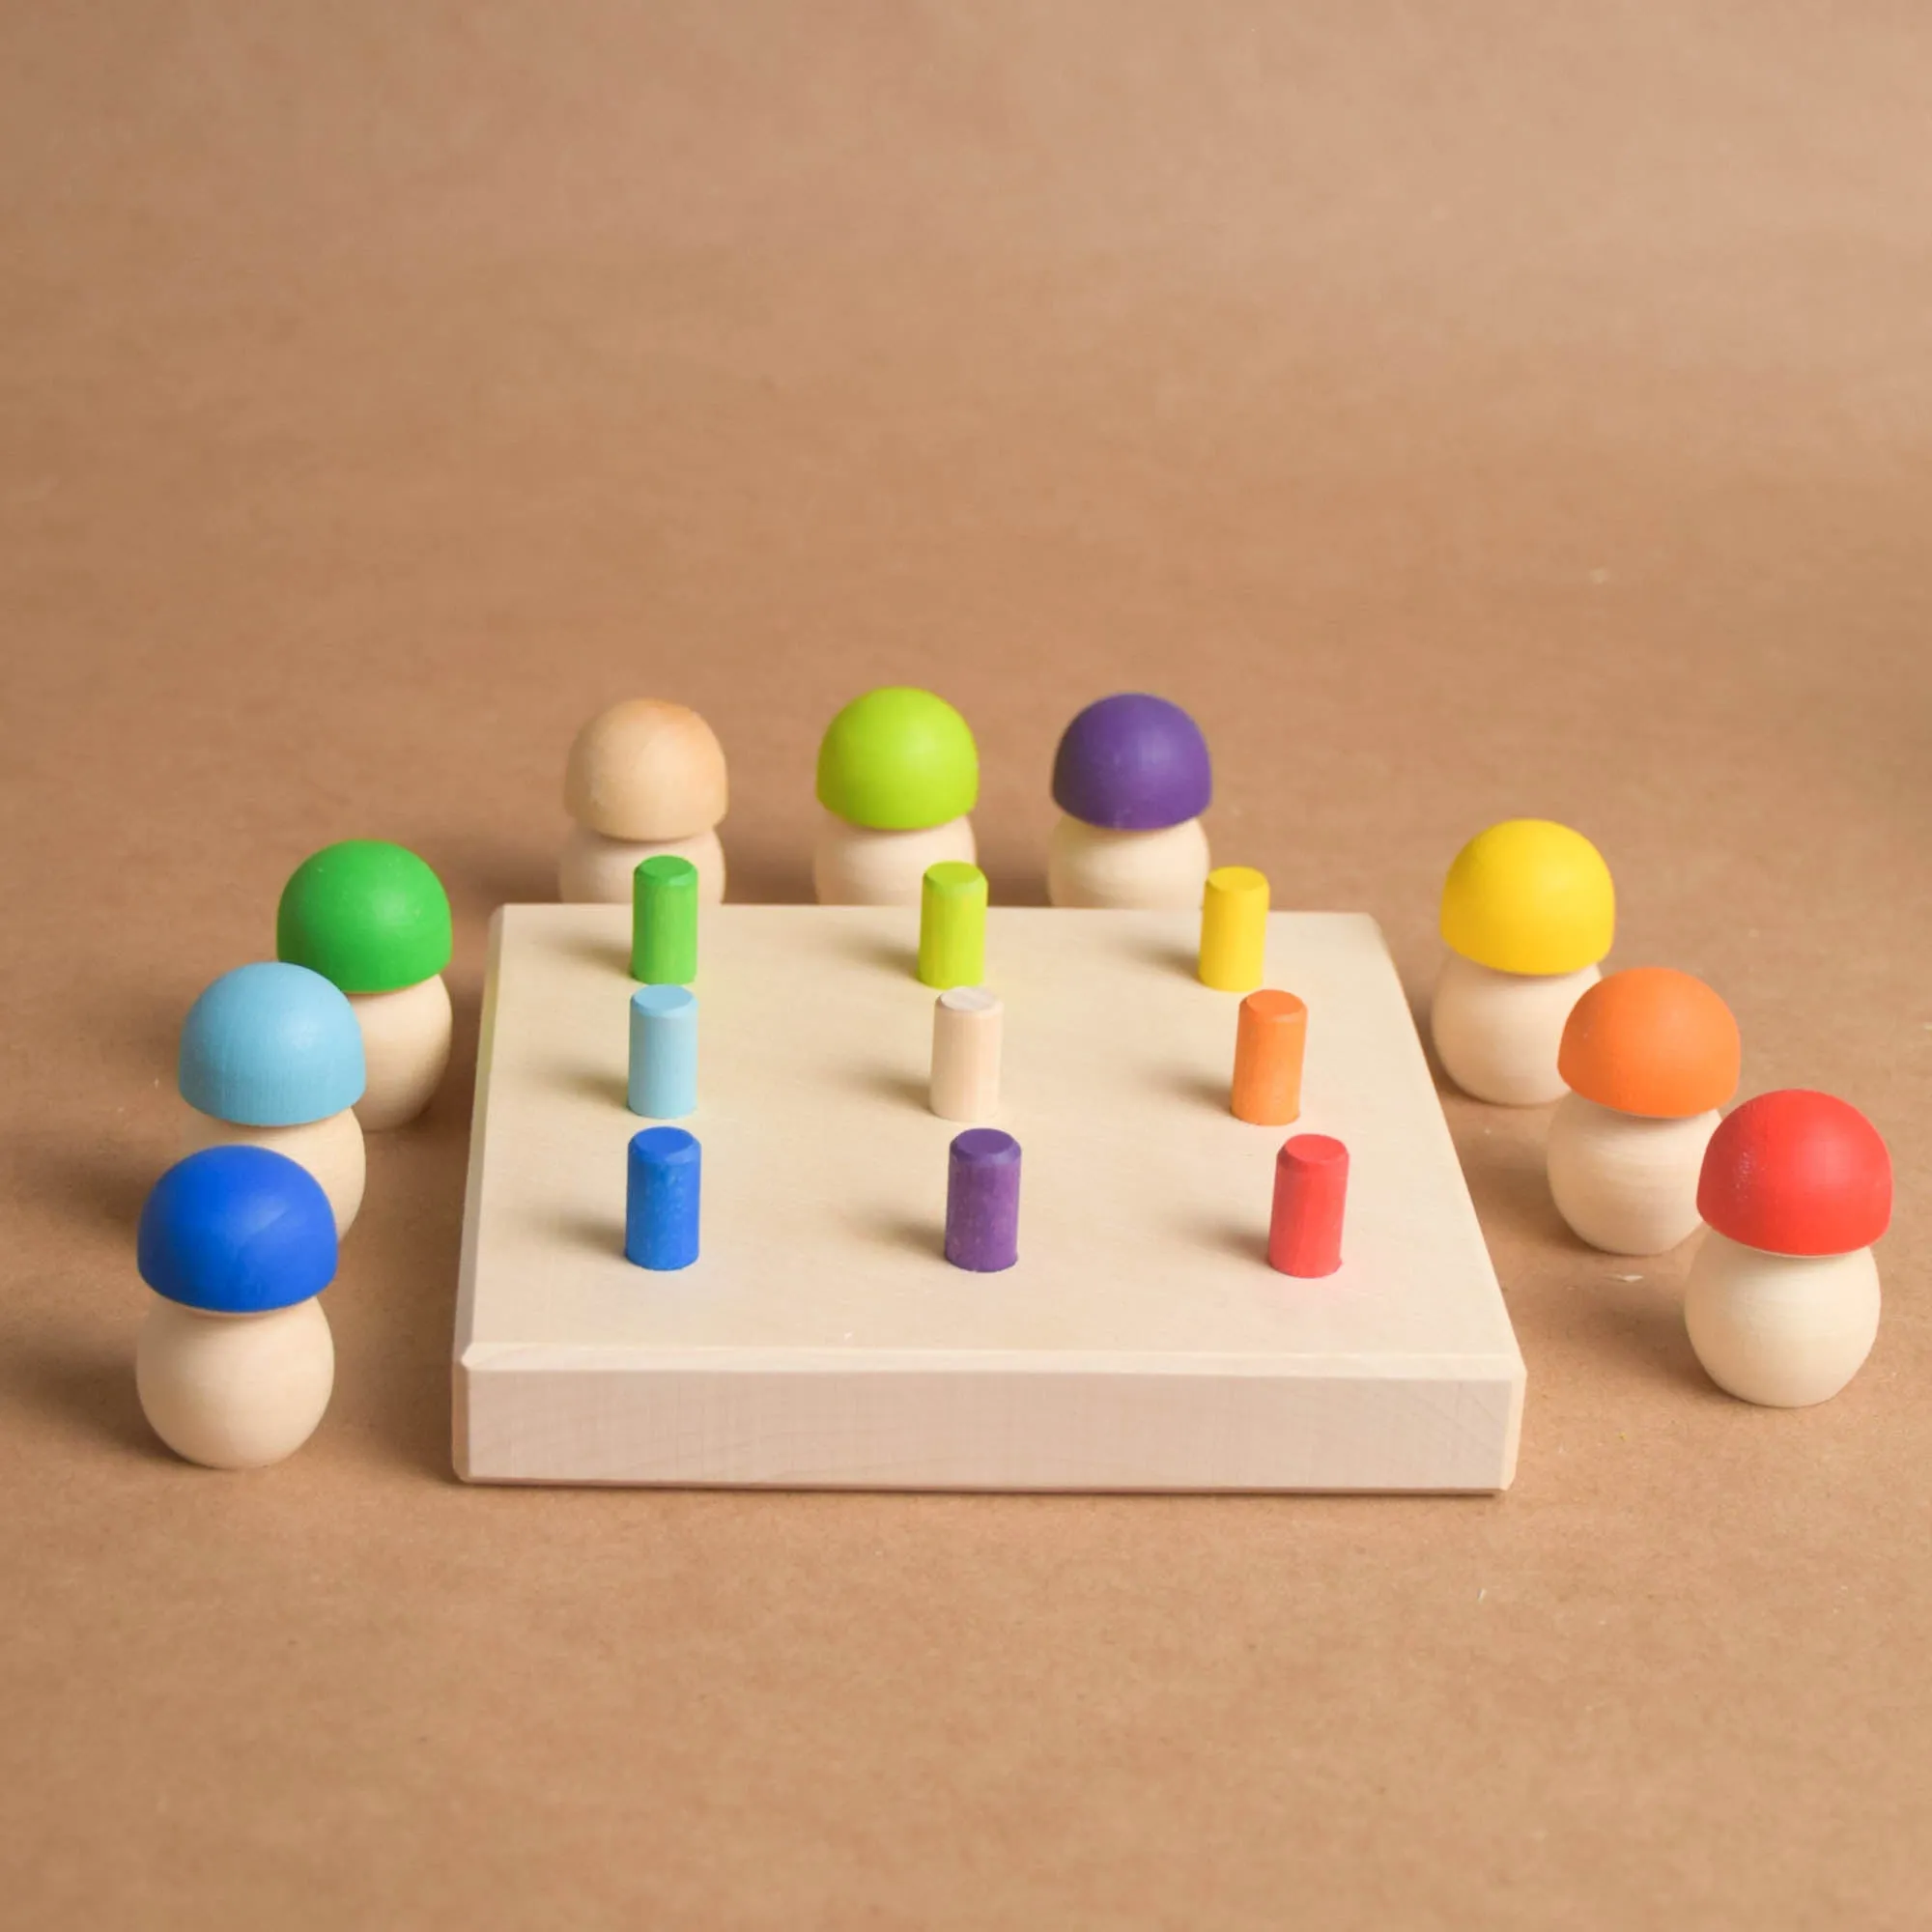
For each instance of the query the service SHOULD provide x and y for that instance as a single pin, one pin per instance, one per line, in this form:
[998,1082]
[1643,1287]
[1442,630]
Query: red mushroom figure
[1782,1299]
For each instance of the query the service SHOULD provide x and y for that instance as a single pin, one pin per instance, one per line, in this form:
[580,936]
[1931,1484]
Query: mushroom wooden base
[235,1391]
[1498,1033]
[406,1038]
[331,1151]
[851,865]
[1626,1184]
[1781,1330]
[595,871]
[820,1339]
[1088,865]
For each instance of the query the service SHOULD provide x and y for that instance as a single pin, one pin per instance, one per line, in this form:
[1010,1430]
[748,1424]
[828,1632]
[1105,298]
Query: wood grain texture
[1090,865]
[596,870]
[1142,1342]
[1498,1033]
[968,1032]
[1626,1184]
[646,768]
[406,1042]
[1785,1331]
[235,1391]
[854,865]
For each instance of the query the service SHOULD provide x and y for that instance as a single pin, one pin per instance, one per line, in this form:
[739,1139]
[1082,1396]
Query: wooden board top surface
[1145,1202]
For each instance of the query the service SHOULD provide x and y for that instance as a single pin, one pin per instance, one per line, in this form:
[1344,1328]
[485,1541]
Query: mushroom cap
[898,759]
[1529,897]
[1654,1042]
[237,1230]
[1797,1173]
[646,771]
[271,1045]
[1132,763]
[368,915]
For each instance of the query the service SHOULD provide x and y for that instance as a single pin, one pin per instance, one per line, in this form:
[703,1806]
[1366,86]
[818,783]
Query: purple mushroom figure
[1131,779]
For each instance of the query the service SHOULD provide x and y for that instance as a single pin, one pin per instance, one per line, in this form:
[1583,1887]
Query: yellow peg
[952,924]
[1234,930]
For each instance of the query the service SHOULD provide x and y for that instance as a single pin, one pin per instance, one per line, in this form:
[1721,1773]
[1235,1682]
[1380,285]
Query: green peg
[952,925]
[663,921]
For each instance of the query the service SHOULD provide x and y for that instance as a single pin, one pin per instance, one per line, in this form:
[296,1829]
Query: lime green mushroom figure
[373,918]
[897,775]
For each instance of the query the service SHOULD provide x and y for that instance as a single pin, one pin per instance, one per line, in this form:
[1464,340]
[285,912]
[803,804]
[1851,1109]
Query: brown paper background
[1466,412]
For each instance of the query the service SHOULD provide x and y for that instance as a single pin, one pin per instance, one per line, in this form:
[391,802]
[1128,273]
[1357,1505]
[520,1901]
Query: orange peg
[1270,1036]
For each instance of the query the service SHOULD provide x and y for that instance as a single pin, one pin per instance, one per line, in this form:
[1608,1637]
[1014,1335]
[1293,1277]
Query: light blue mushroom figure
[272,1056]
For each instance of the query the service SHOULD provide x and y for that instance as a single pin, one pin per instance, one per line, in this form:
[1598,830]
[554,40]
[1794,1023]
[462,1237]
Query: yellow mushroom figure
[1528,912]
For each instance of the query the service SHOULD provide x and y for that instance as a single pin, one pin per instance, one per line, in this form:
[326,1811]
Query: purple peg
[982,1201]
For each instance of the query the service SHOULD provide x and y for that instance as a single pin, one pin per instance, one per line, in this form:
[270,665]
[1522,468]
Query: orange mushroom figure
[1649,1056]
[1782,1299]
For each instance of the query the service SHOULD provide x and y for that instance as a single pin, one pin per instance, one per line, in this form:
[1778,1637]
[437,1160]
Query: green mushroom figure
[372,919]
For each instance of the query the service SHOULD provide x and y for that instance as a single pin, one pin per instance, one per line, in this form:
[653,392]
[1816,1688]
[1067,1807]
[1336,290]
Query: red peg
[1311,1185]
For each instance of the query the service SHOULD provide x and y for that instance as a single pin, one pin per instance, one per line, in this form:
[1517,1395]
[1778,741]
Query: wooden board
[1142,1342]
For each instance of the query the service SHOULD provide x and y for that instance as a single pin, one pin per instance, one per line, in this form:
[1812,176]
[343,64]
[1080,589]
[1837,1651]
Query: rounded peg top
[368,915]
[237,1230]
[1797,1173]
[986,1148]
[646,771]
[271,1045]
[1132,763]
[969,999]
[898,759]
[1653,1042]
[1529,897]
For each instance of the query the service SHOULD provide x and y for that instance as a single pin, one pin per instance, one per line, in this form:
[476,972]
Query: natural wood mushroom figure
[1650,1055]
[1527,911]
[644,778]
[1782,1299]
